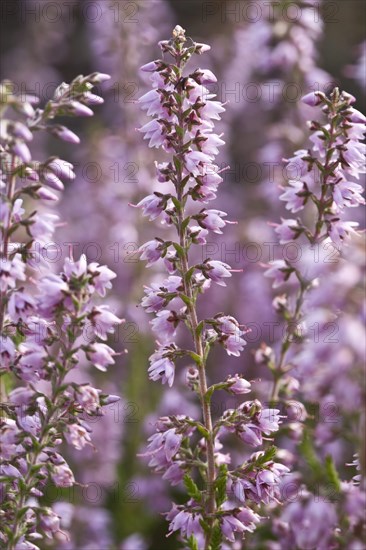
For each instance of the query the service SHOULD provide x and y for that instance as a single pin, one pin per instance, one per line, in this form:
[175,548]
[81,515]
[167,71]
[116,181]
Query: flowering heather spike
[322,194]
[42,330]
[183,114]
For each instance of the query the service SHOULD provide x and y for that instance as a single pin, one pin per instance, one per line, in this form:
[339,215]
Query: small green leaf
[185,299]
[199,328]
[196,358]
[179,130]
[220,486]
[205,433]
[189,274]
[216,539]
[192,488]
[178,164]
[332,473]
[192,543]
[185,223]
[176,203]
[179,249]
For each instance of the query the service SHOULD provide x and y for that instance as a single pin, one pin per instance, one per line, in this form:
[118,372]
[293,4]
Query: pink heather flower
[205,76]
[234,345]
[251,435]
[356,116]
[104,321]
[202,48]
[21,150]
[295,203]
[212,220]
[248,518]
[102,277]
[238,384]
[195,161]
[26,544]
[279,270]
[197,234]
[287,230]
[43,226]
[88,398]
[153,131]
[161,368]
[49,523]
[92,99]
[21,396]
[52,181]
[211,143]
[355,157]
[313,98]
[16,213]
[172,443]
[174,474]
[164,325]
[217,271]
[21,131]
[150,67]
[231,525]
[168,442]
[154,300]
[11,271]
[53,291]
[62,476]
[8,470]
[80,110]
[152,206]
[211,110]
[101,356]
[339,230]
[77,436]
[76,269]
[347,193]
[151,103]
[241,488]
[7,351]
[312,524]
[32,361]
[188,523]
[269,420]
[228,325]
[20,306]
[62,169]
[65,134]
[46,194]
[151,251]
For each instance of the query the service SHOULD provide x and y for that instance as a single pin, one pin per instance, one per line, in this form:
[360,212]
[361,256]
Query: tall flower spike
[43,323]
[184,112]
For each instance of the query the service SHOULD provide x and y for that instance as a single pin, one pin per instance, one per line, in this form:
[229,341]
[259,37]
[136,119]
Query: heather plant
[315,369]
[221,496]
[50,322]
[323,183]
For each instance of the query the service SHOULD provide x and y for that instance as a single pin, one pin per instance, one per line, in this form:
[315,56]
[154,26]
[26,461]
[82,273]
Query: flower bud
[264,355]
[313,98]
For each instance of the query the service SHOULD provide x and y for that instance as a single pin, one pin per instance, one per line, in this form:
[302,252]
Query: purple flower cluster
[322,193]
[49,321]
[186,449]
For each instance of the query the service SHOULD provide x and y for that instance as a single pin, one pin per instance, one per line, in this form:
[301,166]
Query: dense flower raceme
[183,114]
[49,322]
[325,177]
[320,196]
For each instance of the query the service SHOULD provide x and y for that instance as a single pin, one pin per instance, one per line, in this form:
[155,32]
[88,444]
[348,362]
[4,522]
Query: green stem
[210,504]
